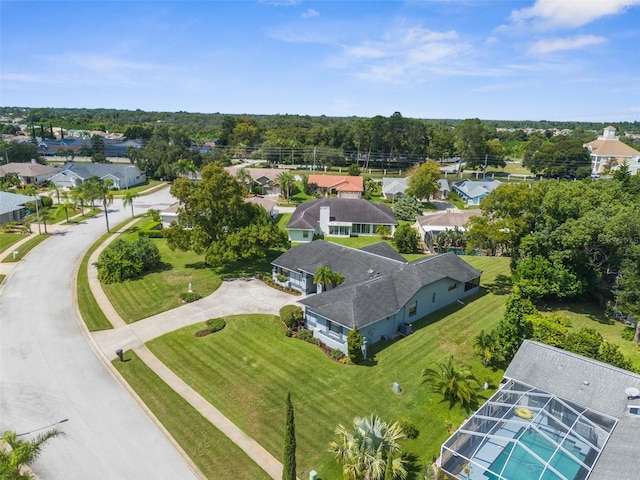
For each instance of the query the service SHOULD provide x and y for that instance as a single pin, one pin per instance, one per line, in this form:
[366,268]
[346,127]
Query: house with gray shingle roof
[12,207]
[381,292]
[556,415]
[339,217]
[29,173]
[473,191]
[72,174]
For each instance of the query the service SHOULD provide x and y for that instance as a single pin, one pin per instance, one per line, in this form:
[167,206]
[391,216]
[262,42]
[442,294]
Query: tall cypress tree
[289,461]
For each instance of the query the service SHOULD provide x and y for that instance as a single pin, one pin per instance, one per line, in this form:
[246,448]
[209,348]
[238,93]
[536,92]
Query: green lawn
[90,311]
[8,239]
[26,248]
[149,185]
[216,456]
[247,369]
[511,168]
[592,316]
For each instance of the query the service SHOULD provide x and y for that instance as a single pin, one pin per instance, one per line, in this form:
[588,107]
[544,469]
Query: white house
[609,151]
[121,175]
[29,173]
[339,217]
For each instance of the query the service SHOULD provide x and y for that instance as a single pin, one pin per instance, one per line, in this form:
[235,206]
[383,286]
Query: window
[335,328]
[413,308]
[433,297]
[452,286]
[471,284]
[305,234]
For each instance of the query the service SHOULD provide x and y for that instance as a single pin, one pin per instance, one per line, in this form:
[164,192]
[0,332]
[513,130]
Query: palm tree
[323,276]
[367,449]
[127,199]
[65,205]
[486,346]
[455,383]
[98,189]
[78,195]
[285,180]
[22,453]
[244,177]
[383,230]
[184,166]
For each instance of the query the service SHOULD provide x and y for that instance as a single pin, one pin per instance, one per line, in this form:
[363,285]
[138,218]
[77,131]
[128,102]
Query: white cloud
[569,13]
[550,45]
[310,13]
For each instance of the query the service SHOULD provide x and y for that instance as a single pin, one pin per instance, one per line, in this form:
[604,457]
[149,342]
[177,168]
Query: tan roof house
[608,150]
[344,186]
[31,173]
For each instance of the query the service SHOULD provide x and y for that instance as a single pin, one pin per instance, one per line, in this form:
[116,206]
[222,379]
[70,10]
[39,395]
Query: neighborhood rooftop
[307,215]
[382,294]
[556,415]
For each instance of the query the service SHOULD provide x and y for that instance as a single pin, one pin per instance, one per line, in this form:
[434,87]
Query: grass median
[214,454]
[25,248]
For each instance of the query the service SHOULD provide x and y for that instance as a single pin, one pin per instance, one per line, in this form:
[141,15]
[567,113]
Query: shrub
[189,297]
[46,201]
[281,278]
[215,324]
[337,354]
[407,208]
[628,334]
[406,239]
[122,260]
[354,346]
[409,428]
[307,336]
[291,316]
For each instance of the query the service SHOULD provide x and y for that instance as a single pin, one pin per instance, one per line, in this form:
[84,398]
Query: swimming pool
[521,465]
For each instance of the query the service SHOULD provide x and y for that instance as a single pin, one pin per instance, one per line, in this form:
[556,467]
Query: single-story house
[433,224]
[344,186]
[443,189]
[608,150]
[12,207]
[170,214]
[473,191]
[266,178]
[393,188]
[122,176]
[380,295]
[556,415]
[339,217]
[29,173]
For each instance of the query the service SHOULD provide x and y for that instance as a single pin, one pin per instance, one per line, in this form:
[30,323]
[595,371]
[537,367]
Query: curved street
[49,372]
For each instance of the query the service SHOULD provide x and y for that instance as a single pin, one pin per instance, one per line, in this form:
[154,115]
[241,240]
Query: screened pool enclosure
[524,433]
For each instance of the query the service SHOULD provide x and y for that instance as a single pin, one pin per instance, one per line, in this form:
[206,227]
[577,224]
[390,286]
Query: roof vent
[370,271]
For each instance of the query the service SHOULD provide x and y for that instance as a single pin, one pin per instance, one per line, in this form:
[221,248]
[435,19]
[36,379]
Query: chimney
[325,215]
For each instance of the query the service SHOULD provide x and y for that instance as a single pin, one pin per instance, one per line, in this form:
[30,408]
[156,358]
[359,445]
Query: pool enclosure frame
[570,434]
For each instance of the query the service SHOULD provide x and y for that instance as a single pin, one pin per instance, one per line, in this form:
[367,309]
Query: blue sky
[492,59]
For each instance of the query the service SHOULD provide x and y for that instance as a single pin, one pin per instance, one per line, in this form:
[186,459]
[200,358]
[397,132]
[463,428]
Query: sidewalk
[233,297]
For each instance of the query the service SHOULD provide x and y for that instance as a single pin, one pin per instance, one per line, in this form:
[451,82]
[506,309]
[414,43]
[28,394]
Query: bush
[46,201]
[291,316]
[122,260]
[407,208]
[307,336]
[409,428]
[354,346]
[281,278]
[406,239]
[628,333]
[337,354]
[216,324]
[189,297]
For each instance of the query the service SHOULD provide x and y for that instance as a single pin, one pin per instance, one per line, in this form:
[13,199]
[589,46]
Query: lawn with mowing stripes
[214,454]
[8,239]
[26,248]
[247,369]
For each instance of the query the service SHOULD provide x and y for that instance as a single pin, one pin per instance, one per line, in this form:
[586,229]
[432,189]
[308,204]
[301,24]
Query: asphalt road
[49,372]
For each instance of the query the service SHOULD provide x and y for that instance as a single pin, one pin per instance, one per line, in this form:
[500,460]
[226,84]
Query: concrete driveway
[49,372]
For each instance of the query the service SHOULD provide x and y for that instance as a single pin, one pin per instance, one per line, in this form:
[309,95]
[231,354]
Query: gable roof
[88,170]
[255,173]
[362,303]
[26,169]
[10,202]
[591,384]
[448,219]
[477,188]
[356,265]
[393,186]
[355,210]
[339,183]
[384,250]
